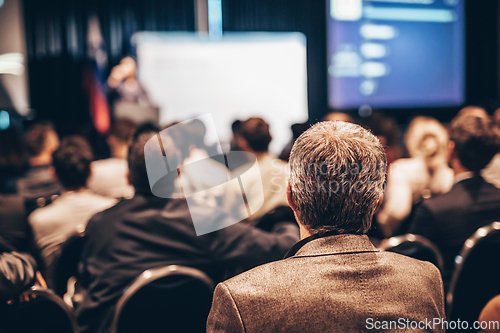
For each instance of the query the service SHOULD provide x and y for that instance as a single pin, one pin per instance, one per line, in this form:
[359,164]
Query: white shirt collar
[463,176]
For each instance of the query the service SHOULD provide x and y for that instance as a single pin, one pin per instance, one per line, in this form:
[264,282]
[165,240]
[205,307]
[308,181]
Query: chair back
[67,264]
[43,312]
[414,246]
[167,299]
[475,278]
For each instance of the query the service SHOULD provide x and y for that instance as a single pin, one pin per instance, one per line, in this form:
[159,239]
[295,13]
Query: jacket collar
[331,243]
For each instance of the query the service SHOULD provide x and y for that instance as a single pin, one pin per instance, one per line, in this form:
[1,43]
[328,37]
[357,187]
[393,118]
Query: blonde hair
[427,138]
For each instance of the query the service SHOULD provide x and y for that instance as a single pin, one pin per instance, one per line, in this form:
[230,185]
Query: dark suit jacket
[147,232]
[331,284]
[449,219]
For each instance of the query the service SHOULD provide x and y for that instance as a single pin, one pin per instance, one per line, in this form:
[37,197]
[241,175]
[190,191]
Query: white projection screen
[236,76]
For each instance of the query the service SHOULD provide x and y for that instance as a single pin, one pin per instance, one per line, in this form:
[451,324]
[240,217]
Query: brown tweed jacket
[337,283]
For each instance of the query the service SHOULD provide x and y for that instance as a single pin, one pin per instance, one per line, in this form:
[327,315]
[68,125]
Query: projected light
[373,51]
[4,120]
[215,18]
[236,76]
[12,63]
[395,53]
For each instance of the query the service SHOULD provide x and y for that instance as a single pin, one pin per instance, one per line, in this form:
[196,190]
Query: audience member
[333,280]
[297,130]
[15,231]
[448,220]
[148,232]
[491,173]
[472,110]
[424,174]
[109,176]
[387,132]
[333,116]
[67,215]
[234,146]
[17,267]
[255,138]
[39,185]
[14,160]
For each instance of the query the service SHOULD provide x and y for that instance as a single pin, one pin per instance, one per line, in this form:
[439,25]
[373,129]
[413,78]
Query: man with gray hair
[333,280]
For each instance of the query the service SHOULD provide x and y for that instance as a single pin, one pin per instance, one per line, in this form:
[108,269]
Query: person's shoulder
[100,200]
[44,214]
[494,190]
[445,201]
[262,278]
[411,268]
[113,205]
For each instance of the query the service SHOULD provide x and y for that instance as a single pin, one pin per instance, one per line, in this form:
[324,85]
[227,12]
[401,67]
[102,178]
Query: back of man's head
[337,173]
[72,162]
[476,141]
[256,133]
[122,130]
[41,137]
[137,161]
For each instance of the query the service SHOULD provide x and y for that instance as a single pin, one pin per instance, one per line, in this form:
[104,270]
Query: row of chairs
[477,268]
[178,299]
[166,299]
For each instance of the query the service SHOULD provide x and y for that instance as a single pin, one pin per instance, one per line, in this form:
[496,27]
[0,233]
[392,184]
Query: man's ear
[451,151]
[242,143]
[129,178]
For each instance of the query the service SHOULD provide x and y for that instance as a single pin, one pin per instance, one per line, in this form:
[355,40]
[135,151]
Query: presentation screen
[237,76]
[395,53]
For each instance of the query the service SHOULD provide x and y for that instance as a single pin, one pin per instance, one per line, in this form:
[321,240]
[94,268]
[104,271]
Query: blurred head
[332,116]
[13,156]
[72,162]
[137,161]
[128,67]
[384,128]
[255,134]
[41,139]
[337,172]
[472,111]
[235,126]
[122,130]
[475,140]
[496,117]
[427,138]
[119,135]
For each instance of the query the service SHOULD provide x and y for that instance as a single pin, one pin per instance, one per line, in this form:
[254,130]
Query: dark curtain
[306,16]
[56,37]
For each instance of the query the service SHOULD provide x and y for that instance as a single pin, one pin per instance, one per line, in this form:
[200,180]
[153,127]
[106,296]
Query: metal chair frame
[411,238]
[480,235]
[152,275]
[36,291]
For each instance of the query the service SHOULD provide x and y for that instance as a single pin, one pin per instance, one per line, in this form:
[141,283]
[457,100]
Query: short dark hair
[122,129]
[137,160]
[337,173]
[476,141]
[72,162]
[188,134]
[13,156]
[36,137]
[255,131]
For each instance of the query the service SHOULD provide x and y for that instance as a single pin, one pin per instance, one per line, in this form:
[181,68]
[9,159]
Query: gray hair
[337,175]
